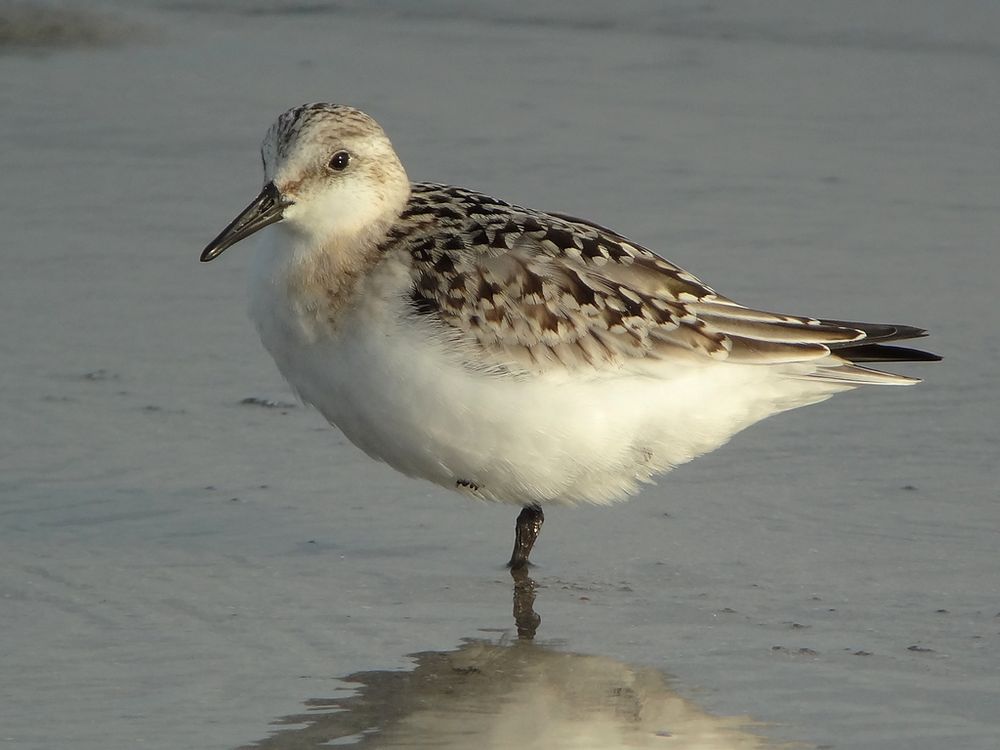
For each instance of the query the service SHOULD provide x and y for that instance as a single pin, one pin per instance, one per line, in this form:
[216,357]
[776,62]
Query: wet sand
[187,555]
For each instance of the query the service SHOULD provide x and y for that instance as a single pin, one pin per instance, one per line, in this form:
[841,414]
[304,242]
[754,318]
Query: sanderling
[507,353]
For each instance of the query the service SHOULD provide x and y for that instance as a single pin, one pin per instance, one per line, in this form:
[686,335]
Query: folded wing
[530,291]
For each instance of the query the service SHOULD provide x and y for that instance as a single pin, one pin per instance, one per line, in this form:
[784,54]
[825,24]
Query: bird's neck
[311,285]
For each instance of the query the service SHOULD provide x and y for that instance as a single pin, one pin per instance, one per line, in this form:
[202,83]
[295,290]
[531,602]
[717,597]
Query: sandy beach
[189,558]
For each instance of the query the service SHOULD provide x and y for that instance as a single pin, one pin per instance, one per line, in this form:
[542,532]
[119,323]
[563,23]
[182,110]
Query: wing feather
[530,290]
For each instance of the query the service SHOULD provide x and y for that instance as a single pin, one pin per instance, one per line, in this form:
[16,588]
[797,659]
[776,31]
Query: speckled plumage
[537,290]
[505,352]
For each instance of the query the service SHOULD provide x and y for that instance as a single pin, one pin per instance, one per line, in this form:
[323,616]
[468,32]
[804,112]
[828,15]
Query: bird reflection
[526,620]
[512,695]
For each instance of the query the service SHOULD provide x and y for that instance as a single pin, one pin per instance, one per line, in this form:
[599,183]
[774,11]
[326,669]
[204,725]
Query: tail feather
[873,349]
[855,375]
[845,367]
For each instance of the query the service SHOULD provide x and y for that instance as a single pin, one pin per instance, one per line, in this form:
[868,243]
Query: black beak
[267,208]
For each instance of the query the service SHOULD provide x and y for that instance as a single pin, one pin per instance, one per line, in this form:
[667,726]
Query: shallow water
[186,556]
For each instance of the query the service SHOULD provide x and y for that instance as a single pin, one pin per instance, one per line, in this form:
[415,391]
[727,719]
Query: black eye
[340,161]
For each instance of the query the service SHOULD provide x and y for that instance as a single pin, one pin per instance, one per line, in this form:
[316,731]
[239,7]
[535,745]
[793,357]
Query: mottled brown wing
[530,290]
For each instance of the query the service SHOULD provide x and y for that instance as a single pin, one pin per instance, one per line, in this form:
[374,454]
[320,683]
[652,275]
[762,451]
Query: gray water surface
[179,568]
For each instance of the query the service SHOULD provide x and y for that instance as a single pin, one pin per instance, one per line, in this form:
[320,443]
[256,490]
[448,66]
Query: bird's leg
[529,523]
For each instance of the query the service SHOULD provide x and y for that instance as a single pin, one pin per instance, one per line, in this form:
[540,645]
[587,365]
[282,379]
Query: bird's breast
[300,295]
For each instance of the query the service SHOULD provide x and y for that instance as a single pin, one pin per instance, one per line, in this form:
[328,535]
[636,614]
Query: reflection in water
[525,618]
[512,696]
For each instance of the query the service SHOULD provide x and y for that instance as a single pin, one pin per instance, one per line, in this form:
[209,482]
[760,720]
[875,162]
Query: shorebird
[507,353]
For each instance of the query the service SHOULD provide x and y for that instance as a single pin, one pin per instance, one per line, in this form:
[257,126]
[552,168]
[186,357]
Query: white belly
[563,437]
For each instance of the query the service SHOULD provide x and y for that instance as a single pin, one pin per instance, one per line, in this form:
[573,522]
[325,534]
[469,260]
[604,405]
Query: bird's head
[329,172]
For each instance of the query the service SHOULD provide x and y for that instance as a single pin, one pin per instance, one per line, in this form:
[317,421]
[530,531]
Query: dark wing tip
[880,332]
[883,353]
[873,349]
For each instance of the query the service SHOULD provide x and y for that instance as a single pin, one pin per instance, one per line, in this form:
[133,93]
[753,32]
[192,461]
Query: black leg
[529,523]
